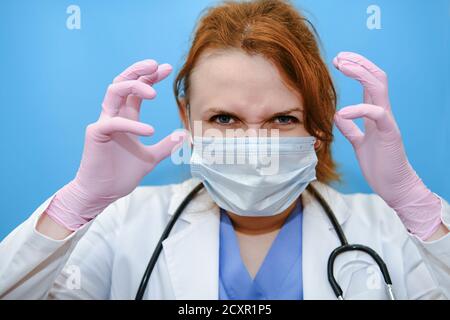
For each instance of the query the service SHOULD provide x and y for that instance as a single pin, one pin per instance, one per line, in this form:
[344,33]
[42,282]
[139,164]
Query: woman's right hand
[114,160]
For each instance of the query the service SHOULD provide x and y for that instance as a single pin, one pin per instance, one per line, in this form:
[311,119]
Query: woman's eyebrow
[220,111]
[287,111]
[232,114]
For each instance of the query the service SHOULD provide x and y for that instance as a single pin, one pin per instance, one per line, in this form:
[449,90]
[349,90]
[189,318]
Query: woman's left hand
[380,151]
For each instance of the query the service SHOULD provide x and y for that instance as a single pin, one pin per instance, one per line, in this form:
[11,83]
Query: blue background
[53,81]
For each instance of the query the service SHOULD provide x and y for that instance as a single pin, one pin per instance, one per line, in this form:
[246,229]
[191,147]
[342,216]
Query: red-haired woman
[248,225]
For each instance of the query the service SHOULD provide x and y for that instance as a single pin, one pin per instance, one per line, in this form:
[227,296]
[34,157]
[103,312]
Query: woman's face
[233,90]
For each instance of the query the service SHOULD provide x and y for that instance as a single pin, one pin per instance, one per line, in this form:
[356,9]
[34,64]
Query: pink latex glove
[380,150]
[114,160]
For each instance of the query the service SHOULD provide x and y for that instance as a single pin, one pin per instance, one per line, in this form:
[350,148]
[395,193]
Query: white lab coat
[106,258]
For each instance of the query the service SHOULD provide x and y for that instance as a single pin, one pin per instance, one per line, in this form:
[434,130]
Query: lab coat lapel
[319,240]
[192,254]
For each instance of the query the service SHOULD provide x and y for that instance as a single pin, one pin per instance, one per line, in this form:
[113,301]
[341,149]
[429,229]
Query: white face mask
[270,177]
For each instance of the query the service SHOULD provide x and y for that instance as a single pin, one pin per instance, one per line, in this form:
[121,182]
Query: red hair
[276,30]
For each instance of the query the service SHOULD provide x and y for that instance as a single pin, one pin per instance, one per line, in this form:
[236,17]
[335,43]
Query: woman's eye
[223,119]
[285,120]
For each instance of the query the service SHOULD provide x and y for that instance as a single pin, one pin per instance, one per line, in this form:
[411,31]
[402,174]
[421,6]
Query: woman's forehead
[232,77]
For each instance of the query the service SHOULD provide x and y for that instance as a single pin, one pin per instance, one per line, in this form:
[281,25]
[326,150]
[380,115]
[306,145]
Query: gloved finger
[376,71]
[138,69]
[163,71]
[131,109]
[366,97]
[378,114]
[117,124]
[119,91]
[374,88]
[349,129]
[166,146]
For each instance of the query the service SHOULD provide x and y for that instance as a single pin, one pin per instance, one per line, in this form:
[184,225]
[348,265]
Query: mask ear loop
[188,115]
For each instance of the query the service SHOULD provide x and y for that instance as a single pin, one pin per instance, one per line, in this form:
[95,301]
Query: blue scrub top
[280,274]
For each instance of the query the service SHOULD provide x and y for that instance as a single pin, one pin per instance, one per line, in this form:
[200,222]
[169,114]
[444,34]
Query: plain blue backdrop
[53,81]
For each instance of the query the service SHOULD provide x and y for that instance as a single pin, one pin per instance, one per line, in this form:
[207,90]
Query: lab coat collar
[196,208]
[334,200]
[192,257]
[319,240]
[192,254]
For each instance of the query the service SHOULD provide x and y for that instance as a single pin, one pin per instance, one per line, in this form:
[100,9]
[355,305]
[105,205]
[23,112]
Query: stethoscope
[344,247]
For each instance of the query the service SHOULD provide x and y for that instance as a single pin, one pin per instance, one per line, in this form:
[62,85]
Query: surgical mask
[254,176]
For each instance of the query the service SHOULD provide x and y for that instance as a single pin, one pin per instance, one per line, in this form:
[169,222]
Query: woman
[252,65]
